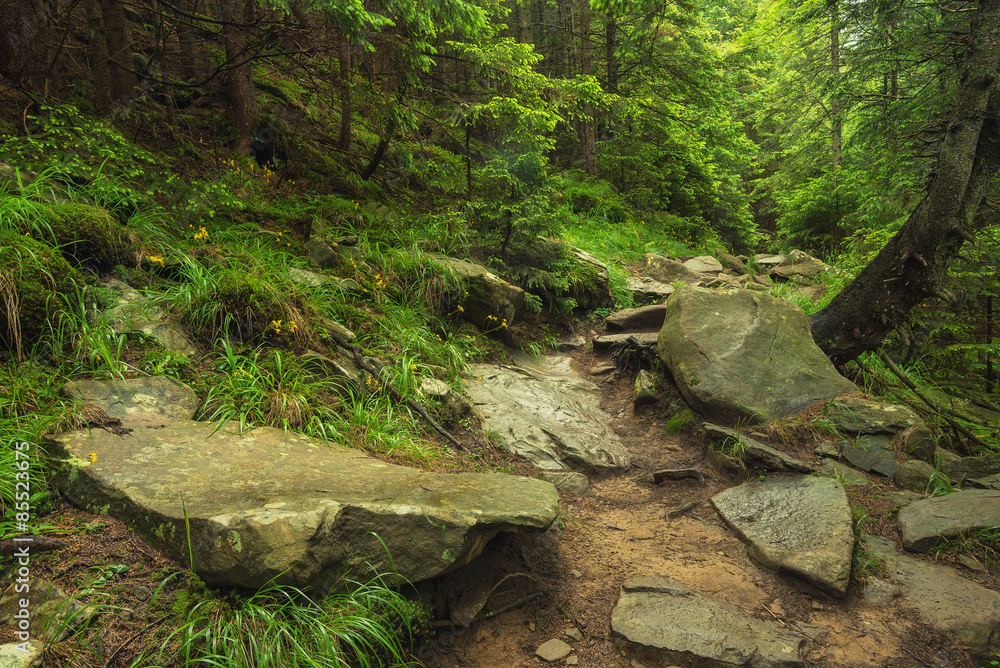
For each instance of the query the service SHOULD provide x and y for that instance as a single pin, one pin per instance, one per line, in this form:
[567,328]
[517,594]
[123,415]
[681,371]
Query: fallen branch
[10,546]
[512,605]
[362,363]
[671,514]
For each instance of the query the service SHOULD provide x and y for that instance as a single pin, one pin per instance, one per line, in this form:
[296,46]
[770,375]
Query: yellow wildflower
[157,259]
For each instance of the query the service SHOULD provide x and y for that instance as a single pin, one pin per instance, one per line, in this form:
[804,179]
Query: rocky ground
[564,583]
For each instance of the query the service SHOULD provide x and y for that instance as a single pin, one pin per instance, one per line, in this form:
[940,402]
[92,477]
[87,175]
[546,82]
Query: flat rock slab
[269,504]
[137,401]
[642,318]
[869,461]
[925,523]
[759,455]
[150,320]
[662,613]
[842,472]
[966,612]
[22,655]
[644,288]
[799,525]
[546,413]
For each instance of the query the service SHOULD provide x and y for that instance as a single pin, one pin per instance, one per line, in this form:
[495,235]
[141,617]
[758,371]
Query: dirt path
[621,529]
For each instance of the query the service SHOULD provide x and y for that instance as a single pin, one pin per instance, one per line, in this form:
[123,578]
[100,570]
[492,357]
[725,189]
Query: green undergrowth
[982,545]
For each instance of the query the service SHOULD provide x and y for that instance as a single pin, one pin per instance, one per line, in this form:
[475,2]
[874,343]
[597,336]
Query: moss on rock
[39,274]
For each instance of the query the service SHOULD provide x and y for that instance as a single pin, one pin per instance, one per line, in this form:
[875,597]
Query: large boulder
[800,525]
[546,413]
[270,504]
[668,270]
[744,356]
[854,415]
[491,299]
[137,401]
[799,265]
[928,522]
[589,281]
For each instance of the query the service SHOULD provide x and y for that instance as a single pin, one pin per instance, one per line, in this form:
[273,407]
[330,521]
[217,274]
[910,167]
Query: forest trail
[626,526]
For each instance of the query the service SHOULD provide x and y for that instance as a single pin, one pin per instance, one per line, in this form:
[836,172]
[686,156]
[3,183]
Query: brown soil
[622,528]
[547,583]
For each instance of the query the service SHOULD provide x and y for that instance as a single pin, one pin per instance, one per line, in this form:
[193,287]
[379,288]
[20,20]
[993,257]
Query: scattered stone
[322,254]
[270,504]
[903,497]
[869,461]
[644,391]
[635,319]
[553,650]
[340,369]
[646,289]
[491,299]
[571,344]
[971,563]
[338,329]
[878,590]
[801,525]
[546,413]
[473,584]
[570,482]
[965,611]
[989,482]
[608,340]
[12,656]
[452,402]
[733,263]
[914,475]
[766,260]
[918,442]
[827,449]
[150,320]
[744,356]
[757,454]
[572,660]
[854,415]
[661,613]
[925,523]
[845,474]
[574,633]
[668,270]
[308,278]
[816,605]
[54,615]
[703,264]
[797,264]
[575,573]
[972,467]
[602,370]
[137,401]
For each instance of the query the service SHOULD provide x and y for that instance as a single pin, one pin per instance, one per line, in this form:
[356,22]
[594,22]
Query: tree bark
[914,264]
[243,111]
[346,101]
[589,135]
[119,52]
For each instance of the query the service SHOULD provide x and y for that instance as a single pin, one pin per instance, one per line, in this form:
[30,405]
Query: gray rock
[878,590]
[973,467]
[914,475]
[801,525]
[22,655]
[573,633]
[646,289]
[703,264]
[547,414]
[919,443]
[903,497]
[925,523]
[453,403]
[757,454]
[668,270]
[336,328]
[572,343]
[607,340]
[854,415]
[966,612]
[827,449]
[590,285]
[273,504]
[137,401]
[473,584]
[568,481]
[146,318]
[307,278]
[744,356]
[797,264]
[989,482]
[491,299]
[869,461]
[644,390]
[553,650]
[662,613]
[732,263]
[766,260]
[340,369]
[322,254]
[642,318]
[842,472]
[54,615]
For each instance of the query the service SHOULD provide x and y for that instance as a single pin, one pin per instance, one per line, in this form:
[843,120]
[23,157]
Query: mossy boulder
[35,274]
[86,235]
[242,306]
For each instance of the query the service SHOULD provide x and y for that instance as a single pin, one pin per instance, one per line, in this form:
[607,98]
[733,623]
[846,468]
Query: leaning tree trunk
[914,264]
[243,110]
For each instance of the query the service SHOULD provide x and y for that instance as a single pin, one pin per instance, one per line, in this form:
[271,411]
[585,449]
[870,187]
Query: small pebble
[572,660]
[574,633]
[816,605]
[531,626]
[575,573]
[554,650]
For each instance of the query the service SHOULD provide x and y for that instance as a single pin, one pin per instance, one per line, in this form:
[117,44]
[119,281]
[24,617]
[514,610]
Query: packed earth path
[563,584]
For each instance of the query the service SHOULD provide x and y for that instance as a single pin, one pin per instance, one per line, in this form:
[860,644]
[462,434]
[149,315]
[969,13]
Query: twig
[370,368]
[135,635]
[680,511]
[678,474]
[509,606]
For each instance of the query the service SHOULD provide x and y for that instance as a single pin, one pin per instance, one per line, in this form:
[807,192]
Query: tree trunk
[99,58]
[612,46]
[524,22]
[346,101]
[836,112]
[914,264]
[380,149]
[119,52]
[589,136]
[243,111]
